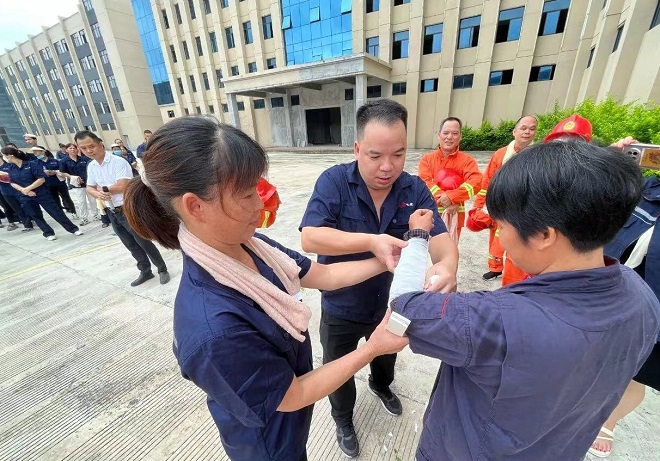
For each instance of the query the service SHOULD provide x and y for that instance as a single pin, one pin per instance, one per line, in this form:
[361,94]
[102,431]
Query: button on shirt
[28,173]
[230,348]
[341,201]
[530,371]
[76,167]
[108,173]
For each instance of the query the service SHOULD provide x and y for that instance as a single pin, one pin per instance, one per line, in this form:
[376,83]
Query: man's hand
[421,219]
[625,142]
[444,200]
[383,341]
[31,193]
[445,282]
[452,209]
[387,249]
[105,196]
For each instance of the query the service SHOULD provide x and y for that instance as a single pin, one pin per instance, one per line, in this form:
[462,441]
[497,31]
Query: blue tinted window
[314,14]
[346,6]
[469,32]
[400,45]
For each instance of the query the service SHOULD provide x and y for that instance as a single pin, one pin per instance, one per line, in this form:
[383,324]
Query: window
[656,16]
[32,60]
[200,50]
[96,30]
[224,3]
[276,102]
[9,70]
[373,5]
[170,114]
[102,107]
[468,36]
[591,56]
[186,53]
[346,6]
[617,40]
[400,2]
[252,67]
[79,38]
[165,20]
[271,63]
[193,85]
[40,79]
[54,75]
[95,86]
[225,108]
[199,110]
[314,14]
[234,71]
[400,45]
[240,105]
[433,39]
[211,109]
[119,105]
[205,79]
[24,103]
[509,25]
[349,94]
[173,53]
[553,19]
[87,4]
[207,7]
[48,98]
[542,73]
[372,46]
[501,77]
[17,88]
[69,69]
[218,77]
[259,103]
[177,12]
[214,42]
[83,110]
[374,91]
[35,101]
[430,85]
[286,22]
[398,88]
[61,46]
[186,111]
[87,62]
[295,100]
[28,83]
[181,88]
[267,26]
[111,81]
[42,117]
[191,8]
[19,66]
[247,32]
[463,81]
[229,33]
[77,90]
[61,94]
[54,116]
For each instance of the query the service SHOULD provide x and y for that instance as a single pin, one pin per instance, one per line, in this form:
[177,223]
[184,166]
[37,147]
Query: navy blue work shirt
[530,371]
[51,163]
[28,173]
[342,201]
[141,149]
[76,167]
[6,188]
[231,349]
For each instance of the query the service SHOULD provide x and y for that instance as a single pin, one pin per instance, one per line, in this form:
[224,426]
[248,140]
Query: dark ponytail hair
[189,154]
[8,150]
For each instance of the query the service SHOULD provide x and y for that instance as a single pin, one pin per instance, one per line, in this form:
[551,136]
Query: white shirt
[108,173]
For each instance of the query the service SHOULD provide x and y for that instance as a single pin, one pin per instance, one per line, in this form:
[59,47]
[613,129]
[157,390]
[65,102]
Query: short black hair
[515,125]
[61,145]
[86,134]
[584,191]
[451,119]
[383,111]
[147,131]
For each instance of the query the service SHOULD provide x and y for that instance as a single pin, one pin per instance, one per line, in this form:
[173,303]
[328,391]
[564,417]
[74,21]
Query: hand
[445,282]
[31,194]
[444,200]
[421,219]
[625,142]
[452,209]
[105,196]
[383,342]
[387,249]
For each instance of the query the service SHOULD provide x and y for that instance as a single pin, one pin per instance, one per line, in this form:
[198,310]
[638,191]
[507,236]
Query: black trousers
[31,208]
[9,212]
[62,191]
[141,249]
[15,204]
[338,338]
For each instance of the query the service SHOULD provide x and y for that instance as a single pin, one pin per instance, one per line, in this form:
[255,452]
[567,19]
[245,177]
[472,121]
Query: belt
[117,209]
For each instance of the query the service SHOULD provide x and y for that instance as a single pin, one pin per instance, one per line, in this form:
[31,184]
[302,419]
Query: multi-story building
[293,72]
[11,128]
[86,72]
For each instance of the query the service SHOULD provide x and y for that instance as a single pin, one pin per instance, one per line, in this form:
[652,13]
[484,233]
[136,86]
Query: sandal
[609,436]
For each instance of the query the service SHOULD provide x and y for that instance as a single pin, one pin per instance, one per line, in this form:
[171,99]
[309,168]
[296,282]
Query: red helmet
[448,179]
[271,200]
[477,220]
[575,125]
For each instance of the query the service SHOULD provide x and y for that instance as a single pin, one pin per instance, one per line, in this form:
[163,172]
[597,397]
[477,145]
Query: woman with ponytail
[240,326]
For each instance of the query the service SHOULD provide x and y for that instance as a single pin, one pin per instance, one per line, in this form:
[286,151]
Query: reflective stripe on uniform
[497,232]
[435,189]
[482,192]
[468,187]
[461,208]
[266,218]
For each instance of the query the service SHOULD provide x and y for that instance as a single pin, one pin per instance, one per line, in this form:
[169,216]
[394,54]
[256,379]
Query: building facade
[293,72]
[86,72]
[11,128]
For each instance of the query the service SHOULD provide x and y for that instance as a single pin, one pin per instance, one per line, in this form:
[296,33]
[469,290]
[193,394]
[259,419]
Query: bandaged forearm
[410,273]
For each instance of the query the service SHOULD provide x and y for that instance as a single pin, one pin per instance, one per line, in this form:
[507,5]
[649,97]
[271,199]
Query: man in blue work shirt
[142,148]
[358,210]
[531,371]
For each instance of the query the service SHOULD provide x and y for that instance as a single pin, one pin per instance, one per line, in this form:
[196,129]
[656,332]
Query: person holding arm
[359,210]
[240,326]
[74,168]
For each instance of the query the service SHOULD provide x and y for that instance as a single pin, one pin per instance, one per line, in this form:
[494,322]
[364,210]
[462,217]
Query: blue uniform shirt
[244,361]
[530,371]
[76,167]
[28,173]
[341,201]
[51,163]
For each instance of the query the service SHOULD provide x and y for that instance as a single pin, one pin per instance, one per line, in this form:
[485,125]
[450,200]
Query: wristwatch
[416,233]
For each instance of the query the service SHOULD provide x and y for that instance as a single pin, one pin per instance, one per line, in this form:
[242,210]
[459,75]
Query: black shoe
[347,441]
[490,275]
[164,277]
[144,276]
[390,402]
[104,225]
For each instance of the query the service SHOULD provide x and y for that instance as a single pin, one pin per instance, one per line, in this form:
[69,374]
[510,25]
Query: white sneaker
[78,232]
[51,238]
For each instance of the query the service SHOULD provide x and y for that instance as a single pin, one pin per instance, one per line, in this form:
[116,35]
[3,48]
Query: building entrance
[323,126]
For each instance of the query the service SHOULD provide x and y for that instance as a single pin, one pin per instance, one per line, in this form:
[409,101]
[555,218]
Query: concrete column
[233,110]
[360,94]
[287,116]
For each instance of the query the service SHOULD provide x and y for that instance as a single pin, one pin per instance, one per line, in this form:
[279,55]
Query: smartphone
[647,155]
